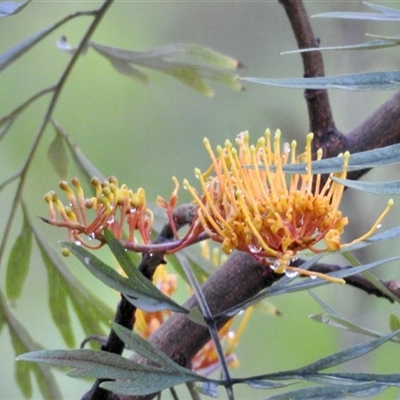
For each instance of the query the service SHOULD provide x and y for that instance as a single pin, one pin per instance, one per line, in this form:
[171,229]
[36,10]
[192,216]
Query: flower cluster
[249,203]
[113,207]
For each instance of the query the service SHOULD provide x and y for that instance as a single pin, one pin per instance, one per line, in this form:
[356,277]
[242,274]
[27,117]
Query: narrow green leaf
[139,291]
[367,159]
[91,311]
[11,8]
[142,347]
[356,378]
[264,384]
[374,44]
[389,80]
[394,322]
[23,342]
[358,16]
[324,305]
[58,293]
[89,363]
[386,188]
[189,54]
[330,392]
[148,383]
[196,54]
[15,52]
[190,64]
[18,263]
[377,238]
[382,9]
[386,14]
[57,154]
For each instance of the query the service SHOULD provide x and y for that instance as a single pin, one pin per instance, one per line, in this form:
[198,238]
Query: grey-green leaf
[18,263]
[15,52]
[137,289]
[367,159]
[8,8]
[382,80]
[144,379]
[99,364]
[189,63]
[374,44]
[386,14]
[330,392]
[386,188]
[149,382]
[142,347]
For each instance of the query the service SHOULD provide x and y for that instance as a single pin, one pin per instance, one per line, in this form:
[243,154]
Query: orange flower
[115,208]
[206,360]
[147,322]
[249,203]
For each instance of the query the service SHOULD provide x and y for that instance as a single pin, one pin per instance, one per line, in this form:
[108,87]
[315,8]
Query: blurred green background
[144,136]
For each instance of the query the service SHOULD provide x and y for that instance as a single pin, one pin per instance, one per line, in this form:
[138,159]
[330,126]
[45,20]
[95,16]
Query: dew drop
[254,249]
[275,265]
[78,242]
[87,260]
[111,220]
[291,274]
[313,276]
[379,226]
[91,236]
